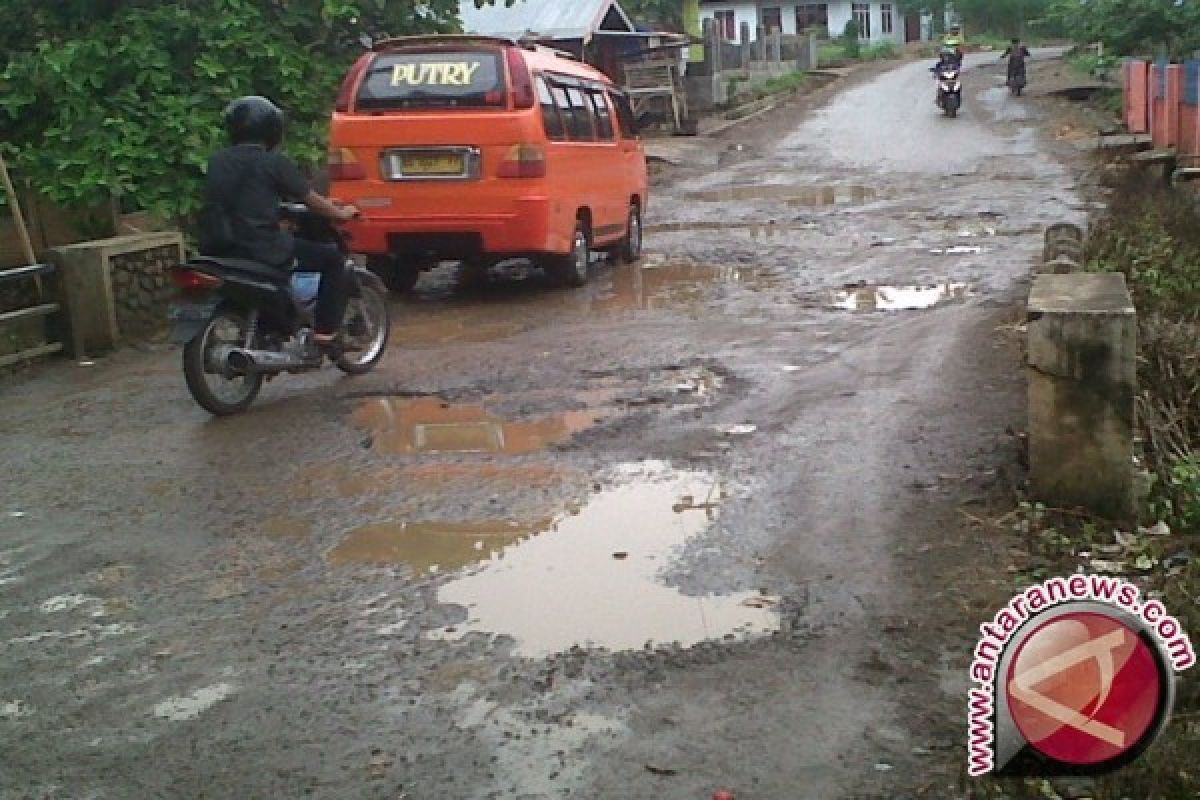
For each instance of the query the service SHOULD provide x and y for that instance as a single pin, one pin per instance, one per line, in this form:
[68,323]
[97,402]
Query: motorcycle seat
[245,266]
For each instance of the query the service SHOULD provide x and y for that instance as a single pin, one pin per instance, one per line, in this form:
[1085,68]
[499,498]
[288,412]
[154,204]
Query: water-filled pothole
[794,196]
[401,426]
[430,546]
[592,578]
[896,298]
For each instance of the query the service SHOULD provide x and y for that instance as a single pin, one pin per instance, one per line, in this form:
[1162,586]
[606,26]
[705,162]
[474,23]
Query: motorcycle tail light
[190,280]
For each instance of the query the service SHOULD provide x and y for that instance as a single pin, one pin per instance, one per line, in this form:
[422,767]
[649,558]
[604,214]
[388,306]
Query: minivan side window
[556,129]
[629,129]
[565,113]
[604,120]
[581,117]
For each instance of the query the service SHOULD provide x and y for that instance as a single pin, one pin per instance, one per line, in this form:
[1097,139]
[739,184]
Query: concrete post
[746,46]
[1082,367]
[760,44]
[91,293]
[775,47]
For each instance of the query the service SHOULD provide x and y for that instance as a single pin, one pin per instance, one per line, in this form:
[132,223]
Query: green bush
[1151,235]
[850,43]
[880,52]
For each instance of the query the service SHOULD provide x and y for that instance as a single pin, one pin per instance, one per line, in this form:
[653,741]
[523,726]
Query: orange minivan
[479,149]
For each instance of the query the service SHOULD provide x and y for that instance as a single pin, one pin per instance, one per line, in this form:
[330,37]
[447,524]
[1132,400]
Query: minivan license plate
[449,164]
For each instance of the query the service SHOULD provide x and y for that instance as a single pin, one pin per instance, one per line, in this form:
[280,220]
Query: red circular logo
[1084,688]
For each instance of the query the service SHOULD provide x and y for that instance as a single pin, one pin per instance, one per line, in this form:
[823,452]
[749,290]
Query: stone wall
[116,290]
[142,289]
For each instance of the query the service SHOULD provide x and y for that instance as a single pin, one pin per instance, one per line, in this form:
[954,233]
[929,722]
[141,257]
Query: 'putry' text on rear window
[399,81]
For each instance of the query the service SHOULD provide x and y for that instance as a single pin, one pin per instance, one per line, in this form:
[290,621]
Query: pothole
[756,230]
[896,298]
[431,546]
[591,578]
[794,196]
[401,426]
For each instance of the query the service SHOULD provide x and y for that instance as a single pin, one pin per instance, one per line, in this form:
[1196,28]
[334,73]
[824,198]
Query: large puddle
[756,230]
[516,303]
[897,298]
[591,578]
[794,196]
[430,547]
[428,425]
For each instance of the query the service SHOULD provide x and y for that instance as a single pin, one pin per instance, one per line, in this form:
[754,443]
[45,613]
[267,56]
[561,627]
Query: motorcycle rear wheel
[217,392]
[367,324]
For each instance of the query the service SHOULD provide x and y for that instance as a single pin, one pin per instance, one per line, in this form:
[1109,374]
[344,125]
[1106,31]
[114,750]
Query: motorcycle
[1016,81]
[949,96]
[243,323]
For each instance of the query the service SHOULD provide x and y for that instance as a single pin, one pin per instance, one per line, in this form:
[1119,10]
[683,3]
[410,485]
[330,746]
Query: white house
[877,21]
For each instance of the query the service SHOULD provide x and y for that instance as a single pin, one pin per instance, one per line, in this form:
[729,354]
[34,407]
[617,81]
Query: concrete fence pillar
[760,44]
[1082,367]
[116,289]
[747,46]
[775,47]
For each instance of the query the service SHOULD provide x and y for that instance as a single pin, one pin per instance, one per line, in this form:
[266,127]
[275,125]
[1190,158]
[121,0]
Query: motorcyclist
[1016,55]
[948,58]
[250,179]
[954,41]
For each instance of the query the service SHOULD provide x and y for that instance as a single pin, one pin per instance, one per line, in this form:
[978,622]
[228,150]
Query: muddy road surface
[694,526]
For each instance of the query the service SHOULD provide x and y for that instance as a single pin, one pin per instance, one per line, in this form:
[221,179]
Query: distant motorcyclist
[1016,55]
[948,59]
[954,41]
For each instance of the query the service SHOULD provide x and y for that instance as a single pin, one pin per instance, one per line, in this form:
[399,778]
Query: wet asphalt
[658,536]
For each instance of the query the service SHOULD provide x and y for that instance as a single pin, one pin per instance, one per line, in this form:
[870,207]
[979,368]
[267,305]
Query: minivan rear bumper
[524,231]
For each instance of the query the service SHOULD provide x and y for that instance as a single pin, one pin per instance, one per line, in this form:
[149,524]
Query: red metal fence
[1163,100]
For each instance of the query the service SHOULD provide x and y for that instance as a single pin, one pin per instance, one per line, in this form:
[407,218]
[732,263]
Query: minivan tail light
[524,161]
[344,166]
[522,81]
[346,91]
[190,280]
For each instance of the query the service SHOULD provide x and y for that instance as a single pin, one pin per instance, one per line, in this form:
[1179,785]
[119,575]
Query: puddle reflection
[794,196]
[428,425]
[592,578]
[429,547]
[898,298]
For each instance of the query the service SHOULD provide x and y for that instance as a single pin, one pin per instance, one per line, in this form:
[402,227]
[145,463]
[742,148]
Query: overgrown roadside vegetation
[123,98]
[1149,233]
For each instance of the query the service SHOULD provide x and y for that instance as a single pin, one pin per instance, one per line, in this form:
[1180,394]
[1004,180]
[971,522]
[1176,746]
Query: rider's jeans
[328,260]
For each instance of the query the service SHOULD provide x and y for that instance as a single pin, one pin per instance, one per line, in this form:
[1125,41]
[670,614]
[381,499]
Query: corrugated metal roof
[549,19]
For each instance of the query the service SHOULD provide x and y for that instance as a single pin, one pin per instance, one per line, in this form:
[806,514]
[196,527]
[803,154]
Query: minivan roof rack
[441,38]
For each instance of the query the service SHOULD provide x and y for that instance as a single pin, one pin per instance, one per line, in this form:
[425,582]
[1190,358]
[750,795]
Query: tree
[124,97]
[1132,27]
[668,13]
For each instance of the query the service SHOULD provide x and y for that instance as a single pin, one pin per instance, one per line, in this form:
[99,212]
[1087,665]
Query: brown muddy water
[592,578]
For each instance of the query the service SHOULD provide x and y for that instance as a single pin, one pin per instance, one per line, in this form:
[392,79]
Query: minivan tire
[398,276]
[572,269]
[630,248]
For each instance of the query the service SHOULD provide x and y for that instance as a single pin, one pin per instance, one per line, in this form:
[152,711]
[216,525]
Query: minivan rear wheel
[398,275]
[572,269]
[630,250]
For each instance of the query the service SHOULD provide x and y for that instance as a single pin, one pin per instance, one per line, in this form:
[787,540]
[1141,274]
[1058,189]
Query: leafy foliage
[1132,27]
[850,42]
[124,97]
[1150,234]
[668,13]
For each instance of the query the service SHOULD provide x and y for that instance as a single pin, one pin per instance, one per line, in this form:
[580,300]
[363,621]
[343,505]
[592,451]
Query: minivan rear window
[459,79]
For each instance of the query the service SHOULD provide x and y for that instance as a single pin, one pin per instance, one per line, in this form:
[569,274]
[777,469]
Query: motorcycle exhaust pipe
[249,362]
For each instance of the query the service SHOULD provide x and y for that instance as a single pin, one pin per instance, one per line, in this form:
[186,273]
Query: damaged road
[695,526]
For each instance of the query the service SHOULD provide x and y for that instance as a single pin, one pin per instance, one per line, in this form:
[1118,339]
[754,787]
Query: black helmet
[254,120]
